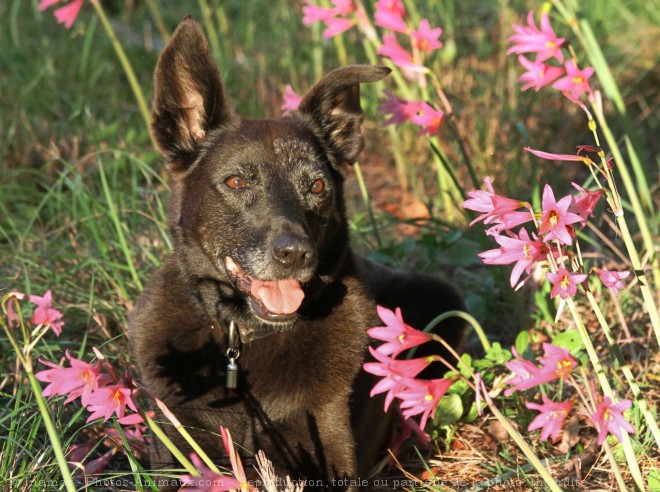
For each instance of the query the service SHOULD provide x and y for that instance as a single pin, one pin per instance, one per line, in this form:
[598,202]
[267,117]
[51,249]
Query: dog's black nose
[292,251]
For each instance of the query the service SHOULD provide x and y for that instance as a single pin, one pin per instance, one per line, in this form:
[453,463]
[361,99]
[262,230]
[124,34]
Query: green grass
[83,194]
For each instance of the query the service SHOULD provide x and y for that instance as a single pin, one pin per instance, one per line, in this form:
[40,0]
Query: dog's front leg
[335,433]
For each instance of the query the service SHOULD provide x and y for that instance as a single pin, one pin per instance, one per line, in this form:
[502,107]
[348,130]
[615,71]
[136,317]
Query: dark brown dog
[261,245]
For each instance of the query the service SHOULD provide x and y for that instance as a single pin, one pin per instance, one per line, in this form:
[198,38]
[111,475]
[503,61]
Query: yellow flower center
[526,250]
[550,44]
[428,397]
[402,337]
[117,396]
[554,218]
[578,80]
[565,282]
[563,368]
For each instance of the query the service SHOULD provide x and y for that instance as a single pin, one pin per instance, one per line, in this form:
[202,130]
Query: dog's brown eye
[235,182]
[317,186]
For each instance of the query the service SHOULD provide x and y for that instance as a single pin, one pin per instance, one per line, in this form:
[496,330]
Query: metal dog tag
[232,354]
[232,374]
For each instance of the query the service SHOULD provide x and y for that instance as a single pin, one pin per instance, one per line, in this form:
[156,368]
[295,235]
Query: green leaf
[450,409]
[654,479]
[569,339]
[522,342]
[473,413]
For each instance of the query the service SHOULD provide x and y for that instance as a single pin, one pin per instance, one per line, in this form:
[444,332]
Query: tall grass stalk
[367,203]
[24,357]
[125,63]
[626,443]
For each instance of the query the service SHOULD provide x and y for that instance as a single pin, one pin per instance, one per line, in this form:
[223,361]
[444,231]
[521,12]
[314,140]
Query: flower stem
[367,202]
[52,432]
[465,316]
[607,390]
[125,63]
[160,434]
[625,368]
[524,447]
[158,20]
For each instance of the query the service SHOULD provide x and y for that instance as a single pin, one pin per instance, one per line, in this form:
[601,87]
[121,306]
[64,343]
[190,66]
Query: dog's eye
[235,182]
[317,186]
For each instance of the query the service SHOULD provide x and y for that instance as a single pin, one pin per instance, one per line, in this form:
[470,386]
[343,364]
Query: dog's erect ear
[189,97]
[332,107]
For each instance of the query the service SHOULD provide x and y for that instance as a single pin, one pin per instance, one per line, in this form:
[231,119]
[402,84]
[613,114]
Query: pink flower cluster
[547,46]
[399,376]
[336,18]
[44,315]
[557,363]
[418,113]
[98,385]
[65,15]
[389,15]
[555,230]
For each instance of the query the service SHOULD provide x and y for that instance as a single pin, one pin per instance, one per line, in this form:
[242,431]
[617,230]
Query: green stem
[158,20]
[524,447]
[125,63]
[114,215]
[52,432]
[640,216]
[367,202]
[625,368]
[210,27]
[160,434]
[465,316]
[607,390]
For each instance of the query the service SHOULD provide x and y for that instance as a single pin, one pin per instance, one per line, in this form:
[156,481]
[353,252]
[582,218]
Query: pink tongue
[279,296]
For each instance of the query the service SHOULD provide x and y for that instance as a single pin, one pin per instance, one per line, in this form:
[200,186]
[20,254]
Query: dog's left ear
[332,109]
[189,96]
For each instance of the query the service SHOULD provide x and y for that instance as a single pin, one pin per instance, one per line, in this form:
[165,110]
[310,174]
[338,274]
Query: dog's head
[257,205]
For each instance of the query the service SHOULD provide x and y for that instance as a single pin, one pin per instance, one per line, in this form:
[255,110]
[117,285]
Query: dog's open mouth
[272,300]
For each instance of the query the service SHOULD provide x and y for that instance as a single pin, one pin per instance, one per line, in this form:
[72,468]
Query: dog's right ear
[189,96]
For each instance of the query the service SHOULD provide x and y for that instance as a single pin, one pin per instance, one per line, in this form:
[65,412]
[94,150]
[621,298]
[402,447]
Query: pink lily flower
[429,119]
[65,15]
[576,81]
[564,283]
[584,203]
[399,109]
[423,397]
[108,400]
[331,17]
[496,208]
[425,38]
[45,314]
[555,217]
[291,100]
[526,374]
[389,14]
[559,157]
[208,481]
[608,417]
[397,374]
[544,42]
[79,380]
[557,361]
[399,56]
[521,250]
[612,280]
[538,74]
[551,419]
[12,315]
[396,333]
